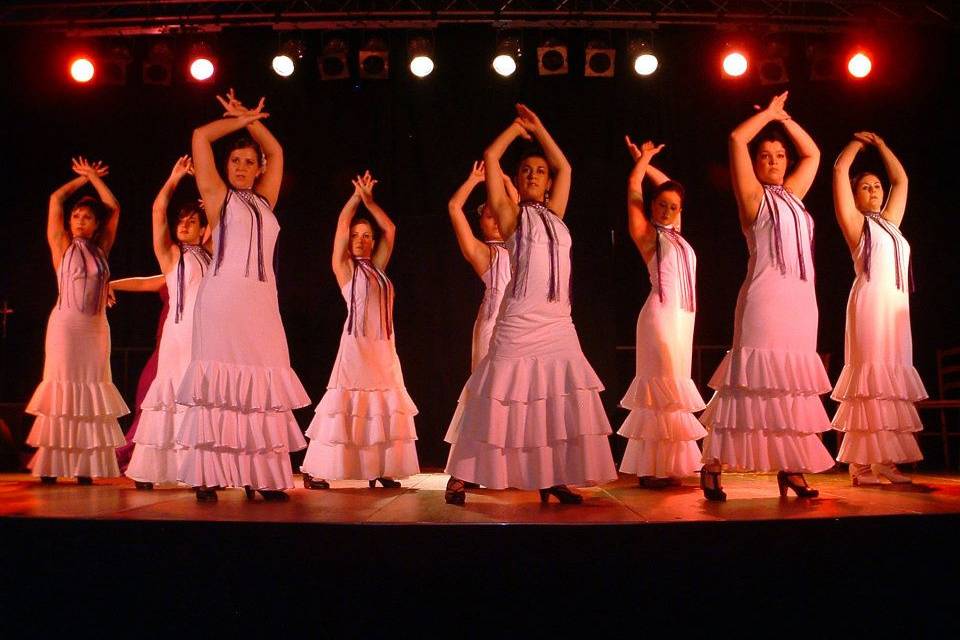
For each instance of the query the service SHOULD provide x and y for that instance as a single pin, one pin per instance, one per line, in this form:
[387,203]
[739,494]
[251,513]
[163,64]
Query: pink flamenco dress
[363,427]
[766,411]
[156,454]
[77,405]
[661,429]
[530,415]
[878,385]
[238,389]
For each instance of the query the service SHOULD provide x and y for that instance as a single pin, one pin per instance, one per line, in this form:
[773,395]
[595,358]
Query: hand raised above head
[83,167]
[777,107]
[868,138]
[521,128]
[528,119]
[363,187]
[183,166]
[477,173]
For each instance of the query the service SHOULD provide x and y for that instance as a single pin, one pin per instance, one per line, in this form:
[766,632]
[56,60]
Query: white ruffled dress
[156,454]
[661,428]
[878,385]
[77,405]
[239,390]
[363,427]
[495,280]
[766,411]
[530,415]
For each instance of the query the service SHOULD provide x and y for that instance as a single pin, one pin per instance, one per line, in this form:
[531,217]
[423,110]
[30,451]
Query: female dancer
[363,428]
[156,455]
[878,384]
[766,412]
[140,284]
[239,388]
[76,404]
[530,415]
[488,257]
[661,429]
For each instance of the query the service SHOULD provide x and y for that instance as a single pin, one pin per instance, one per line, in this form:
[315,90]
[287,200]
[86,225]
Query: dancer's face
[361,240]
[770,163]
[533,179]
[489,226]
[243,168]
[83,223]
[666,208]
[868,194]
[189,230]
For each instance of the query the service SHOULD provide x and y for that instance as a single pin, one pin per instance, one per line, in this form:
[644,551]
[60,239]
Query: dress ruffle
[661,443]
[868,414]
[241,387]
[668,394]
[795,372]
[64,432]
[206,466]
[670,426]
[512,380]
[161,395]
[763,451]
[877,380]
[864,447]
[65,398]
[159,465]
[737,410]
[583,461]
[337,461]
[228,430]
[159,428]
[63,462]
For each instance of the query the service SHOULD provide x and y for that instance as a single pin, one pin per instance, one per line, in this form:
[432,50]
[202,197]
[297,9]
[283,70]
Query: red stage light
[734,64]
[859,65]
[201,68]
[81,69]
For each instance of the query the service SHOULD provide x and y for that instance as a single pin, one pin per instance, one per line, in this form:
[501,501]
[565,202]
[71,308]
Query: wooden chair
[948,385]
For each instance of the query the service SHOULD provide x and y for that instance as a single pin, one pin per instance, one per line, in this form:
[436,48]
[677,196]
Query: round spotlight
[859,65]
[645,64]
[201,69]
[81,70]
[421,66]
[504,65]
[283,65]
[735,64]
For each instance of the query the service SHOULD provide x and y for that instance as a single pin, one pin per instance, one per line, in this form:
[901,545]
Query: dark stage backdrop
[419,137]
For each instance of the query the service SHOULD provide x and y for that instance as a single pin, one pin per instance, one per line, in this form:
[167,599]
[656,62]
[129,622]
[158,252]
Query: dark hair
[246,142]
[362,219]
[771,134]
[669,185]
[535,152]
[97,208]
[855,180]
[190,208]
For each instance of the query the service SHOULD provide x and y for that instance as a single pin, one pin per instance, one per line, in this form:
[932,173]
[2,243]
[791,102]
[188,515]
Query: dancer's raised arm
[163,246]
[94,173]
[897,200]
[844,205]
[476,252]
[801,178]
[562,172]
[642,232]
[503,204]
[212,187]
[268,182]
[388,231]
[340,260]
[57,235]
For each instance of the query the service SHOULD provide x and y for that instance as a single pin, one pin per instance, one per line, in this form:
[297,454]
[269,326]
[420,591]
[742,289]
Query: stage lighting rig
[420,52]
[333,59]
[507,55]
[287,58]
[645,62]
[599,59]
[552,58]
[158,66]
[202,62]
[374,59]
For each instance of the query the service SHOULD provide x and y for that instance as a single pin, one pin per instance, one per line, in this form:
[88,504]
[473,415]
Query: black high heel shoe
[562,493]
[205,494]
[48,480]
[312,483]
[274,495]
[713,493]
[388,483]
[143,486]
[455,493]
[803,490]
[85,481]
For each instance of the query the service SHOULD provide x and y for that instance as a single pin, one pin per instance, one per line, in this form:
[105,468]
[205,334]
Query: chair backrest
[948,372]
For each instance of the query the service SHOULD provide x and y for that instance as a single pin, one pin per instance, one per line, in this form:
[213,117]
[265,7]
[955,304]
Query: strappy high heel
[715,492]
[205,494]
[312,483]
[803,490]
[562,493]
[387,483]
[456,491]
[143,486]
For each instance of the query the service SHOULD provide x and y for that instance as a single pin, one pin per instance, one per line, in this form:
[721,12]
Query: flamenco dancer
[156,454]
[76,431]
[661,429]
[530,415]
[488,257]
[140,284]
[239,388]
[363,428]
[766,413]
[878,384]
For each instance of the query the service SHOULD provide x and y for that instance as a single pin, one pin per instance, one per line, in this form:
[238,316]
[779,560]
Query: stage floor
[420,502]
